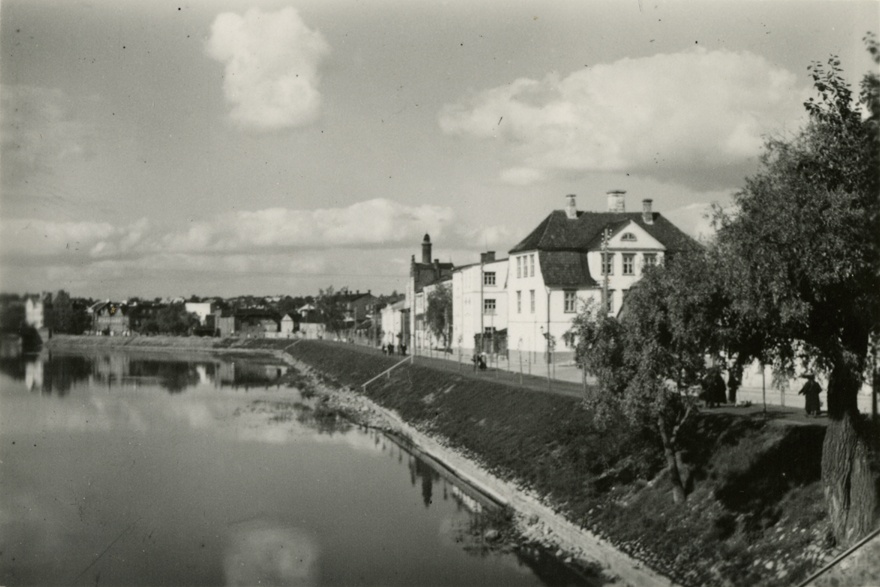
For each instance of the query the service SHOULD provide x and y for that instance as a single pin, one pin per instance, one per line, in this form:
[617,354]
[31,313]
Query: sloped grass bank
[755,515]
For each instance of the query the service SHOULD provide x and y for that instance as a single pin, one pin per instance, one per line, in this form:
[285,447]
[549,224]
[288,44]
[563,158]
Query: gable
[630,235]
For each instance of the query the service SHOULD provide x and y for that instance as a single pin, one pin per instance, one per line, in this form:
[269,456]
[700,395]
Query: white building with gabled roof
[572,257]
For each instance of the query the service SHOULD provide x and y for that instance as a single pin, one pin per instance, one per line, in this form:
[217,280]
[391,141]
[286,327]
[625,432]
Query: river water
[137,469]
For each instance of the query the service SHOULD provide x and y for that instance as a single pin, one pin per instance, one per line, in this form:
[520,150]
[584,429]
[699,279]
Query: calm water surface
[138,469]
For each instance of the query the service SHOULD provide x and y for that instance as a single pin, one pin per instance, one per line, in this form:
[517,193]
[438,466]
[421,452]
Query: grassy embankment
[755,515]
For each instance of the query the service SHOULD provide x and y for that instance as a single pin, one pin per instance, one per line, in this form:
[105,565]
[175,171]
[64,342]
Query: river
[124,468]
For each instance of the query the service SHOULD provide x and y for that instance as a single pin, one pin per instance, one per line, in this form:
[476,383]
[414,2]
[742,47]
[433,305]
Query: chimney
[426,249]
[616,200]
[647,214]
[571,207]
[487,257]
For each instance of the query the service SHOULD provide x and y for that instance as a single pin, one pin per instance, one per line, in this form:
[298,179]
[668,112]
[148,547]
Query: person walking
[713,388]
[811,391]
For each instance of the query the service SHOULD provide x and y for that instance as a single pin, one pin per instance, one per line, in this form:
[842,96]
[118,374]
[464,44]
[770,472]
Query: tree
[803,248]
[68,317]
[439,313]
[331,308]
[650,362]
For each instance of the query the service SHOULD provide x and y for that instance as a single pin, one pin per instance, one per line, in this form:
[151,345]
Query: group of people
[479,361]
[388,349]
[713,388]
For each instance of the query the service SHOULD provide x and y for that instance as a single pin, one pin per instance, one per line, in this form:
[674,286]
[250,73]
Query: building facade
[421,275]
[573,258]
[480,305]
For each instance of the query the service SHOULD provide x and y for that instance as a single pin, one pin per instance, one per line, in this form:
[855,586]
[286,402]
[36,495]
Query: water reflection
[261,552]
[224,487]
[56,373]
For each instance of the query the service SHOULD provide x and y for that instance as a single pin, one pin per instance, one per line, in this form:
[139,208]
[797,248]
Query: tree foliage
[331,308]
[801,266]
[649,363]
[439,313]
[69,317]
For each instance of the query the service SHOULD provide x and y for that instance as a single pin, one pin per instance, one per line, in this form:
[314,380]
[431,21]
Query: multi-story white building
[574,256]
[480,304]
[395,320]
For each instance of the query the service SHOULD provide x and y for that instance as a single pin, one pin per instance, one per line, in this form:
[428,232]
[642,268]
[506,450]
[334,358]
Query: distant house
[110,318]
[395,322]
[422,274]
[200,309]
[574,256]
[256,323]
[480,302]
[38,310]
[287,325]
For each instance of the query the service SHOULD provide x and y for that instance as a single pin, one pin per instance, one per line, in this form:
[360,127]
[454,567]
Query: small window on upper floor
[628,237]
[489,278]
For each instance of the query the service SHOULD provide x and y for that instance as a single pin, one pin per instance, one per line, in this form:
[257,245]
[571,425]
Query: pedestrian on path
[713,388]
[811,391]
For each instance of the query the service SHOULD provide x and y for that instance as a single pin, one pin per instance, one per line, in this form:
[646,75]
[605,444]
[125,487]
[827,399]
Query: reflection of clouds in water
[261,553]
[256,424]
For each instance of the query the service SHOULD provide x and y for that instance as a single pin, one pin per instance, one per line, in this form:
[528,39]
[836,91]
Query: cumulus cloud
[693,110]
[373,222]
[271,62]
[33,237]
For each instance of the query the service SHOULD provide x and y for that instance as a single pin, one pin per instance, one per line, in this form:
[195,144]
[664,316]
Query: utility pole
[480,308]
[606,235]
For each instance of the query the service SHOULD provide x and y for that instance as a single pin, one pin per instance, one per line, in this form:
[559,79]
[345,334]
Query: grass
[755,508]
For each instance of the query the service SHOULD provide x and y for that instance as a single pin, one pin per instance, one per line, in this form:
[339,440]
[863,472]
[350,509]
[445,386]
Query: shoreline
[534,520]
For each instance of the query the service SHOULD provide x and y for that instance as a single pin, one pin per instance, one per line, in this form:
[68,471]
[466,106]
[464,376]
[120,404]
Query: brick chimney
[426,249]
[571,211]
[647,213]
[616,200]
[487,257]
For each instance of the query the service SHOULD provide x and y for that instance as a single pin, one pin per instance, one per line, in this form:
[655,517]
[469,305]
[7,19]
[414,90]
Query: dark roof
[559,233]
[565,269]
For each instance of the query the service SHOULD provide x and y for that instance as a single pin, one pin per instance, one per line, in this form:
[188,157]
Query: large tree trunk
[849,484]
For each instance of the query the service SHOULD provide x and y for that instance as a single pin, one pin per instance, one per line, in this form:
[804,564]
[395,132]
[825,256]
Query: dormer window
[628,237]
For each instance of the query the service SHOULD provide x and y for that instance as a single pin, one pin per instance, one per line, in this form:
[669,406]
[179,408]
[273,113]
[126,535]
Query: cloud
[369,223]
[693,219]
[32,237]
[38,132]
[271,62]
[698,110]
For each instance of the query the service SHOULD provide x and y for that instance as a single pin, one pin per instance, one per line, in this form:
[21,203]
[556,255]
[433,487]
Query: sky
[158,148]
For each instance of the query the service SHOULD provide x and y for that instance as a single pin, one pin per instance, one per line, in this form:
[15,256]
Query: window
[489,278]
[607,263]
[570,302]
[532,265]
[628,264]
[628,237]
[650,259]
[489,306]
[519,267]
[532,300]
[519,302]
[610,301]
